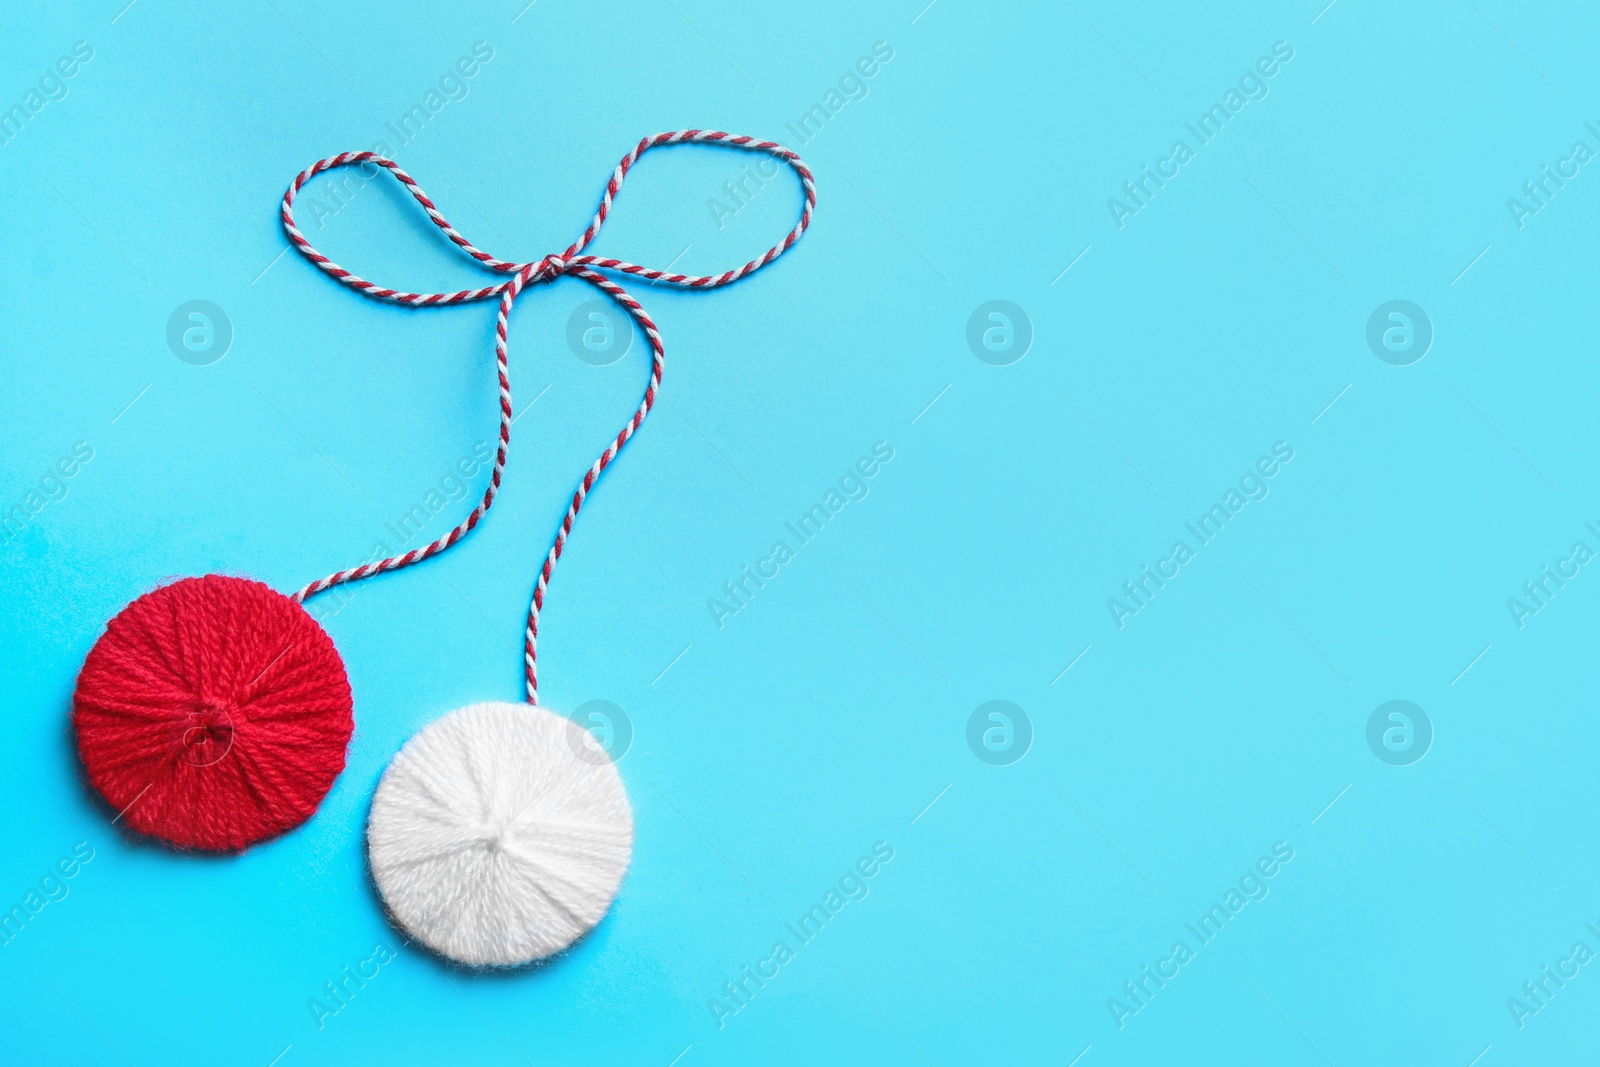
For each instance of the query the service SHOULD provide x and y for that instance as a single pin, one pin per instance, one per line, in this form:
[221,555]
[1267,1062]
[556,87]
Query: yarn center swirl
[209,736]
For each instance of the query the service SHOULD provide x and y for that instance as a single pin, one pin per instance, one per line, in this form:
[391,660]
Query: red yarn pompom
[213,713]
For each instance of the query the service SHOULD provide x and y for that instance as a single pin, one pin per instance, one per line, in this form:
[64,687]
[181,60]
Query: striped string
[573,262]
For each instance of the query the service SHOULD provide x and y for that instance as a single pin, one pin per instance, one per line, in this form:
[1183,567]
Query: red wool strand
[213,713]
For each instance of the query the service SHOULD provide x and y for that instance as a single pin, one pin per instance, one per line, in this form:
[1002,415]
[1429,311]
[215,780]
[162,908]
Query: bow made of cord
[572,261]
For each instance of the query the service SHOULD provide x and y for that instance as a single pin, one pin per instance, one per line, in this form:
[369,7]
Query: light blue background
[825,716]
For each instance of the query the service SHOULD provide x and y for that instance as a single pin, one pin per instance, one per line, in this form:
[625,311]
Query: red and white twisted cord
[553,266]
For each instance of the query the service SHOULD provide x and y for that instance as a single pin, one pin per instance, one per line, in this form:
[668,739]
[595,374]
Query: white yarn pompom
[500,834]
